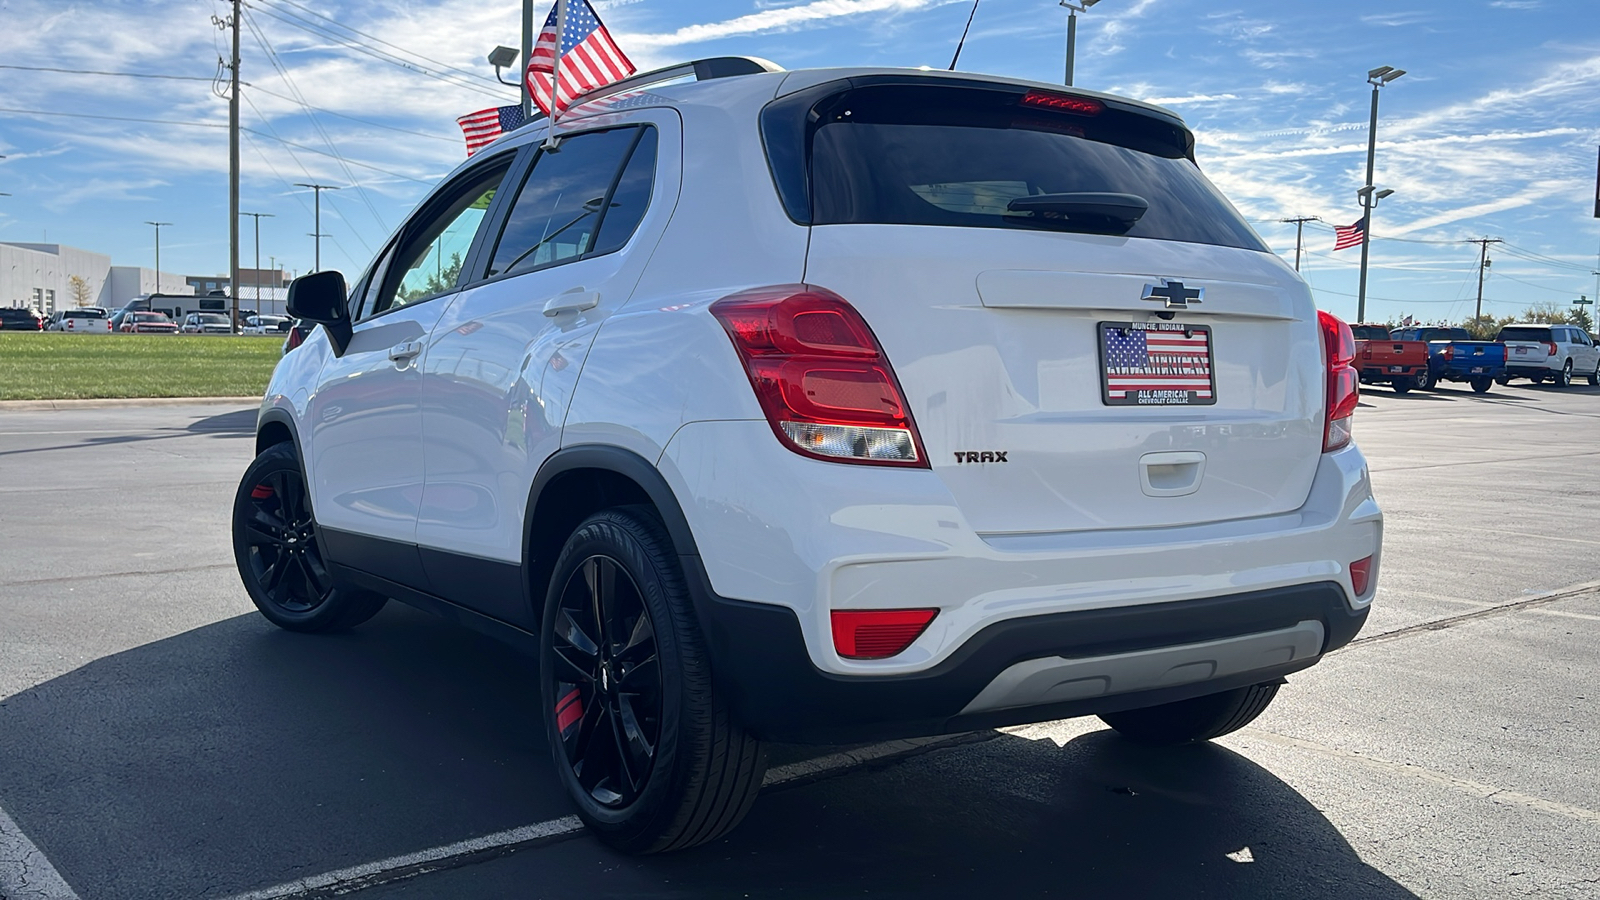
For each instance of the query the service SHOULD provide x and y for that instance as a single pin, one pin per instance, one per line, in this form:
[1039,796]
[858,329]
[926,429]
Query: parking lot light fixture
[158,252]
[503,57]
[1072,30]
[1378,77]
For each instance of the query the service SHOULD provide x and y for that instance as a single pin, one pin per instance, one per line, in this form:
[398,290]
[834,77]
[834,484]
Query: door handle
[405,351]
[575,300]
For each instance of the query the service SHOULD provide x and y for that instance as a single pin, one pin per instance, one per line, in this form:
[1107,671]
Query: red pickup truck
[1380,358]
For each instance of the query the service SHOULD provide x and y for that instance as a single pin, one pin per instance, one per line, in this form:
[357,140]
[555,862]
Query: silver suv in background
[1554,353]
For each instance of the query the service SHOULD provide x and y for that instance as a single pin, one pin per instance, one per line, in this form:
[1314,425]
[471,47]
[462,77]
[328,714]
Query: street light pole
[1072,32]
[257,271]
[1378,77]
[318,188]
[158,252]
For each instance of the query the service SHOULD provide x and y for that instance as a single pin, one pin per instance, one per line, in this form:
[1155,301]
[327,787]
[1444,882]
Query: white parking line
[25,873]
[398,867]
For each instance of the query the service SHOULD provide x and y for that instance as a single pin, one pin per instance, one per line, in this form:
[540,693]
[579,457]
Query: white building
[41,276]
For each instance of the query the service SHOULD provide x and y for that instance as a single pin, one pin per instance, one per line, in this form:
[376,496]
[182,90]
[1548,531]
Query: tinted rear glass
[83,314]
[934,155]
[1523,333]
[1370,333]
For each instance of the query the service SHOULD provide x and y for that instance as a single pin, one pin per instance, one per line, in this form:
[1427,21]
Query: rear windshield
[83,314]
[954,156]
[1370,332]
[1523,333]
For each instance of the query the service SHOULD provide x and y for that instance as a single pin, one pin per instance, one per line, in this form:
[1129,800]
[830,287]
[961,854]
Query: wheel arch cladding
[275,428]
[578,482]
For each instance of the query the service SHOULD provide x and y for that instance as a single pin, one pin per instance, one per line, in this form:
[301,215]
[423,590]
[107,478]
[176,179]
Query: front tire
[1594,377]
[1195,719]
[647,750]
[279,556]
[1428,381]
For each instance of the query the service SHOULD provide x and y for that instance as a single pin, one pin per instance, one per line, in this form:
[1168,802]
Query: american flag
[485,125]
[588,57]
[1140,360]
[1347,235]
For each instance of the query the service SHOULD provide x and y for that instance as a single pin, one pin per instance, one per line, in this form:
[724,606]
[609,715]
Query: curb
[24,405]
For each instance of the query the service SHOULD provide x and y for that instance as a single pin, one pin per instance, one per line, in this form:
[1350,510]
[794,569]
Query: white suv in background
[824,406]
[1556,353]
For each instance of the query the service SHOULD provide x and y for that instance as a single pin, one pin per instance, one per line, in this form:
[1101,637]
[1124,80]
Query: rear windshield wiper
[1096,212]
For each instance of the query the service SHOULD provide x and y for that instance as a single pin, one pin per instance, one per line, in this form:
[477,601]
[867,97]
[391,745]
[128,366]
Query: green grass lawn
[51,366]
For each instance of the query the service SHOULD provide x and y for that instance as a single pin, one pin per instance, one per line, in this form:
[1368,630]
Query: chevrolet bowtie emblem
[1174,293]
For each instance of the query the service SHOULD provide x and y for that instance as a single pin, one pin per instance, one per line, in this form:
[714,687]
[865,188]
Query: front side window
[434,250]
[594,184]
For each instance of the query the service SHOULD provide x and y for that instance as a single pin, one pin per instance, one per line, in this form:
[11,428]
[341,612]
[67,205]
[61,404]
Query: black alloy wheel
[647,748]
[279,557]
[284,557]
[608,682]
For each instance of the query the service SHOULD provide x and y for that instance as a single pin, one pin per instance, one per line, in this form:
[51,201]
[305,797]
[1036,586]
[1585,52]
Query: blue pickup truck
[1454,356]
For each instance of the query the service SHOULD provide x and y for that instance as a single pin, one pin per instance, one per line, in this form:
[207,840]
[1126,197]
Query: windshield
[958,156]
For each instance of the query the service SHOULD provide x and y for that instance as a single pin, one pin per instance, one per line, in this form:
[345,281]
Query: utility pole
[318,188]
[233,169]
[257,278]
[1299,228]
[1483,263]
[158,252]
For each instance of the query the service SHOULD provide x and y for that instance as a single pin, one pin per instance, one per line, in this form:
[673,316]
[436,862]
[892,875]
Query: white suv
[1558,353]
[825,406]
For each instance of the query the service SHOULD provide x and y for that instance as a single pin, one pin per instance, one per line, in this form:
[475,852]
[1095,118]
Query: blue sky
[1492,133]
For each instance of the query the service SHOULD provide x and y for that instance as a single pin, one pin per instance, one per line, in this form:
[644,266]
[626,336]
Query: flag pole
[550,139]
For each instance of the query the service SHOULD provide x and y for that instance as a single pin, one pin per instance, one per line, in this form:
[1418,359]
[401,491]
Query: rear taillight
[821,377]
[1361,575]
[1550,348]
[878,633]
[1449,352]
[1338,350]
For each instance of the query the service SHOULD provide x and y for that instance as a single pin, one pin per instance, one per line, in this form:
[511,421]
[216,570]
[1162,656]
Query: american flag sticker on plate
[1156,364]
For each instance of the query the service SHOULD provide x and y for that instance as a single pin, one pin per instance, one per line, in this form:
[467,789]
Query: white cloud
[771,20]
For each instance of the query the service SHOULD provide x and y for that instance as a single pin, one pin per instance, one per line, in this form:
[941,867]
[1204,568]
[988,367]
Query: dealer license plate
[1477,370]
[1156,364]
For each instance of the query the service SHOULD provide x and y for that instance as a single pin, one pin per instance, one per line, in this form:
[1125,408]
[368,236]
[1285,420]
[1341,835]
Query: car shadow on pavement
[237,424]
[236,756]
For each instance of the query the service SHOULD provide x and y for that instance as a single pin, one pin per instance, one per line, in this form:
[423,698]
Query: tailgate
[997,340]
[1527,353]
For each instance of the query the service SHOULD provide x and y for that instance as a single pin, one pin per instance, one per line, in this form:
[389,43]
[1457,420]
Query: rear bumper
[1523,370]
[1030,669]
[1383,373]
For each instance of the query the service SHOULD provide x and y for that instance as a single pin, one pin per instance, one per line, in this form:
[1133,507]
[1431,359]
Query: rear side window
[589,186]
[967,157]
[1523,333]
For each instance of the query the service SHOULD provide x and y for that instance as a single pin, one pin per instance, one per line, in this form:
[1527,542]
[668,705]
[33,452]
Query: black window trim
[430,209]
[511,196]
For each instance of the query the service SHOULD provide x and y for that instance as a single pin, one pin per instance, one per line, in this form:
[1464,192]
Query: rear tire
[1196,719]
[279,556]
[1403,384]
[648,751]
[1481,384]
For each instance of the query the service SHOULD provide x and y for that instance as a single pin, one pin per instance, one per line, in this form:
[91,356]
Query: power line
[372,37]
[283,71]
[313,28]
[329,112]
[115,74]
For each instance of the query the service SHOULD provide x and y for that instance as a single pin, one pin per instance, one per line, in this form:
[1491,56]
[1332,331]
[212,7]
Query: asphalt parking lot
[158,739]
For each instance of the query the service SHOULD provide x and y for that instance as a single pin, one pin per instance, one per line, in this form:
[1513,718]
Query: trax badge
[986,456]
[1174,293]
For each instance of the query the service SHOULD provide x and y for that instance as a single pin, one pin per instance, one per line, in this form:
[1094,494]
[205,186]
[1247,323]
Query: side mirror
[321,297]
